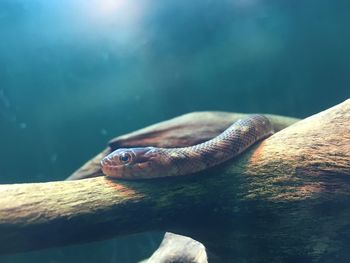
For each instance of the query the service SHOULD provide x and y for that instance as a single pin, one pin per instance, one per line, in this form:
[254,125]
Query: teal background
[74,74]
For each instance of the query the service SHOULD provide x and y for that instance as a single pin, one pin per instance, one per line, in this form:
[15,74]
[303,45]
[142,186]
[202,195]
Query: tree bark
[285,199]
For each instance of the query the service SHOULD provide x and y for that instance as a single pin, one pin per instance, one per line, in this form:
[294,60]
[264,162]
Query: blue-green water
[74,74]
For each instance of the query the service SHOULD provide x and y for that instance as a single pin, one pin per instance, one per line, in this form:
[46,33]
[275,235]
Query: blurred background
[74,74]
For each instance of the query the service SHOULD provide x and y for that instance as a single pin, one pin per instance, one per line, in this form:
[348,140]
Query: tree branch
[286,196]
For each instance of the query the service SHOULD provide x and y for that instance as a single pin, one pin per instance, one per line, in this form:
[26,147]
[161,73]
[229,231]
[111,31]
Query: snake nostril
[106,161]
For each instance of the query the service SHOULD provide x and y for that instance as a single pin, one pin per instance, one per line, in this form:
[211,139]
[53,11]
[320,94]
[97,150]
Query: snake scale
[153,162]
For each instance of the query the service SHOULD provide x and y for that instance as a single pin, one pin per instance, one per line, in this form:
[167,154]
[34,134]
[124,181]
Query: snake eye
[125,157]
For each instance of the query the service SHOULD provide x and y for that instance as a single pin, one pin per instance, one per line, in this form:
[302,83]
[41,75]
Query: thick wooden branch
[287,196]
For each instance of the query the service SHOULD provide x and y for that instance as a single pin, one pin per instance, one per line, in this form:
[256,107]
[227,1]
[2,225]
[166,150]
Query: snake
[155,162]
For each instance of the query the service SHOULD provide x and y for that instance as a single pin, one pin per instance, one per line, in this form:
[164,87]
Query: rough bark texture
[284,200]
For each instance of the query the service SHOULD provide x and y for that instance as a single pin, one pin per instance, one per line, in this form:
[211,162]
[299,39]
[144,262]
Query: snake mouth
[108,169]
[113,171]
[134,171]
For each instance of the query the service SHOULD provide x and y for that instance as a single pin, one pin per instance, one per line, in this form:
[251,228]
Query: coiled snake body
[153,162]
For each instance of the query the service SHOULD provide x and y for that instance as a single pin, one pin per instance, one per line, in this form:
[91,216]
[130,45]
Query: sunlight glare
[109,6]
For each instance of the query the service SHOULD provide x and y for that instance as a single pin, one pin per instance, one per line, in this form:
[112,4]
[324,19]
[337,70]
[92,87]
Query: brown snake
[153,162]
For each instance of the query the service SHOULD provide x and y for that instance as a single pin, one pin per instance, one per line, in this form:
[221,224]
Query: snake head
[133,163]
